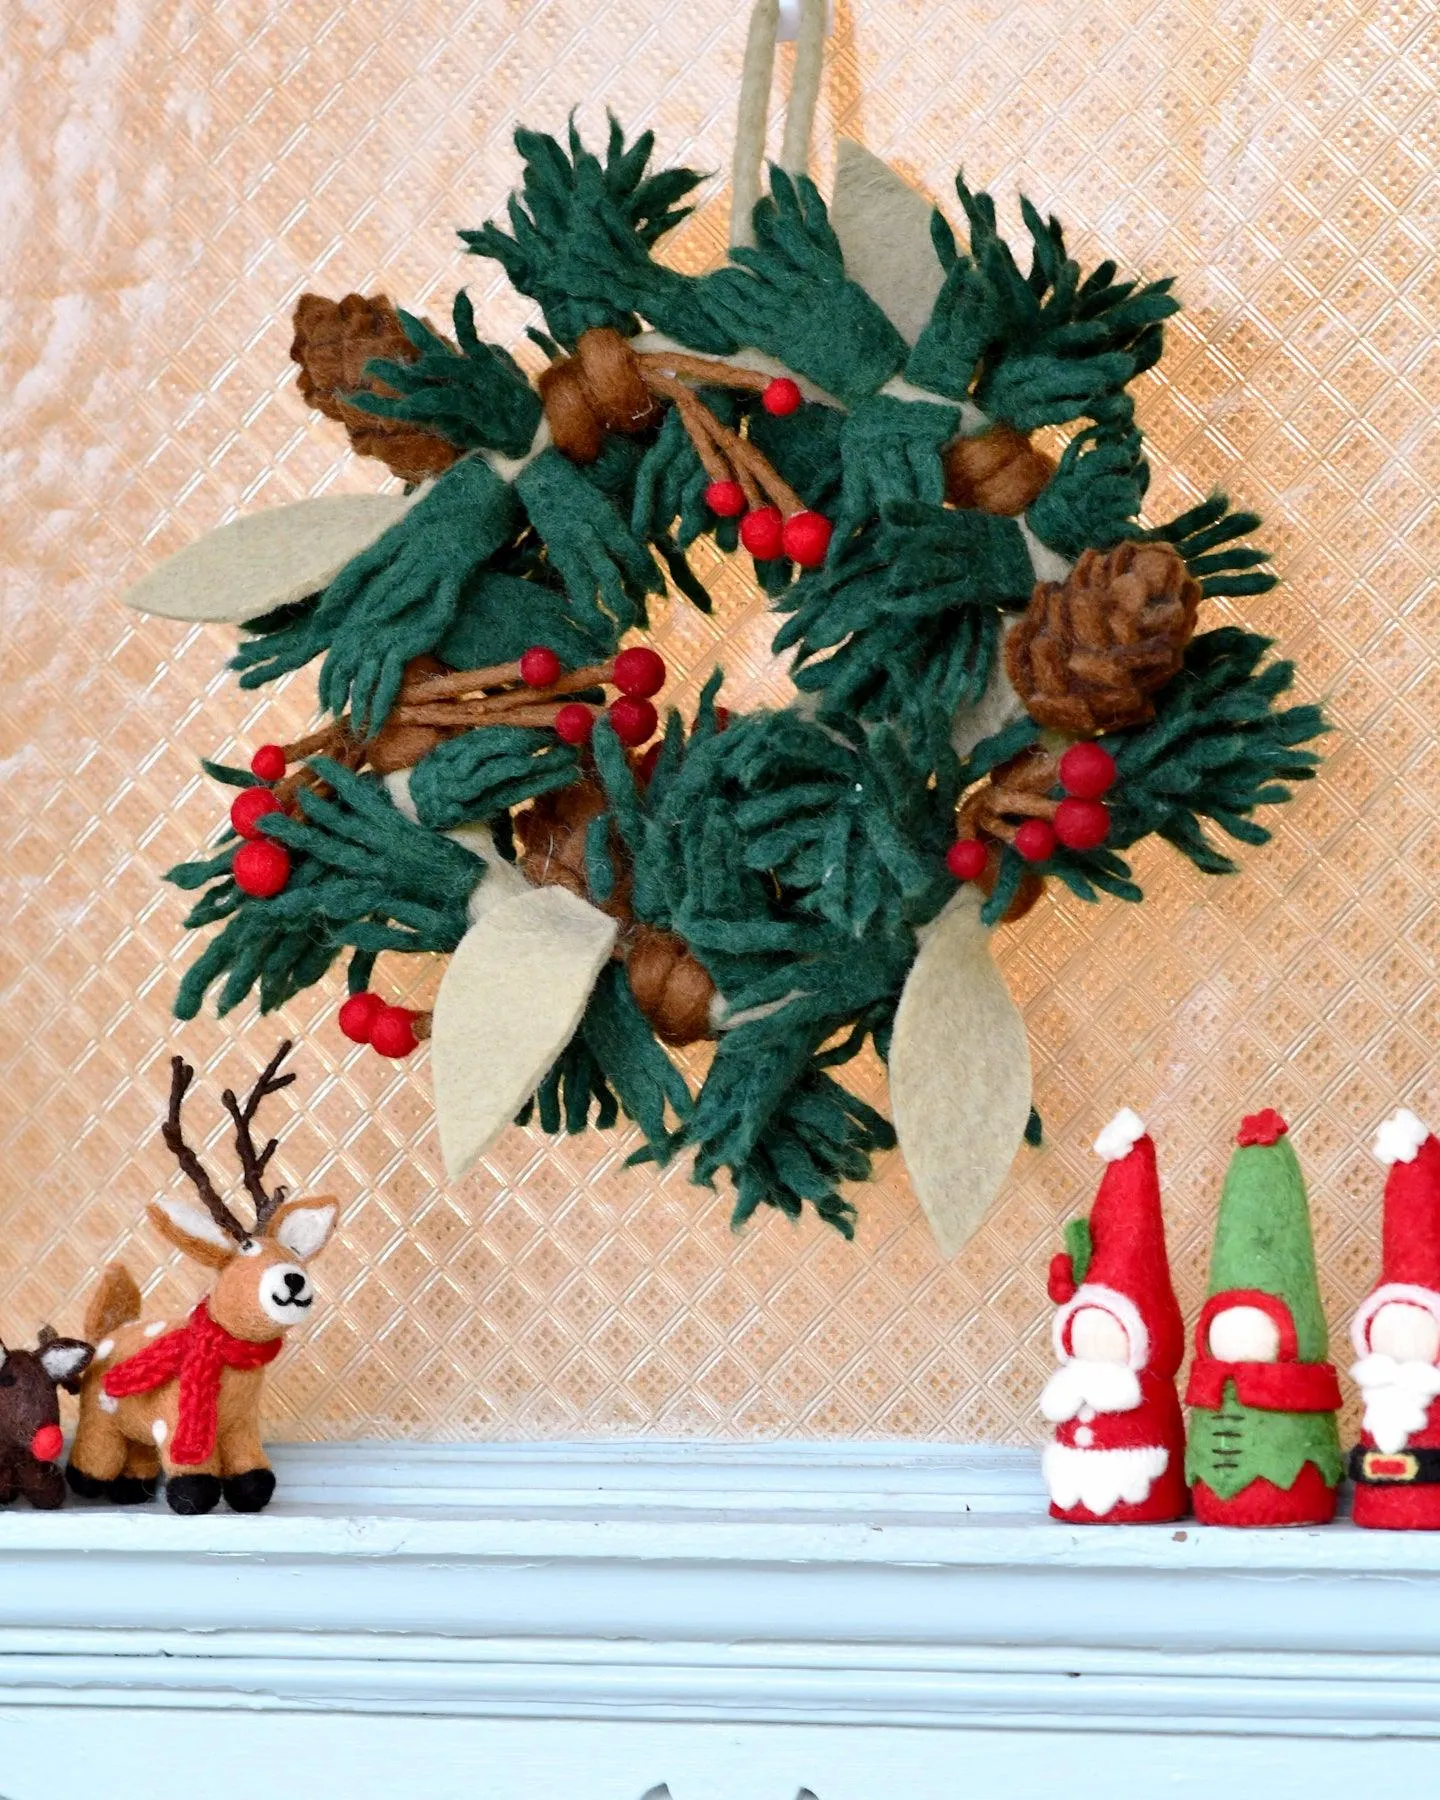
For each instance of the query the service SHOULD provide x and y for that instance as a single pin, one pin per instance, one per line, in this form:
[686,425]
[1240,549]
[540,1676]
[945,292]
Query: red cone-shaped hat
[1411,1241]
[1128,1262]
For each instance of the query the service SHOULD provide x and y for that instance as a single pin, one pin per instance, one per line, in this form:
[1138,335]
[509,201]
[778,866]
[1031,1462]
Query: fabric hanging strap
[753,116]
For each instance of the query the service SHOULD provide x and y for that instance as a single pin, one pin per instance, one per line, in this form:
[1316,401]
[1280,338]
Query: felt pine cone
[1088,652]
[1000,471]
[334,340]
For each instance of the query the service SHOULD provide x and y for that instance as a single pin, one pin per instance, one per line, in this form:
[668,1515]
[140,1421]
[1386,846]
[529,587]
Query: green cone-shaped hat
[1262,1237]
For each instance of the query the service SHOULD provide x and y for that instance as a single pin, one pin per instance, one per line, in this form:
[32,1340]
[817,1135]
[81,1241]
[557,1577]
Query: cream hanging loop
[753,114]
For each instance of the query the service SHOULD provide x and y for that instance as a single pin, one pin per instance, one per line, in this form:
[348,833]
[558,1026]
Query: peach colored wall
[173,175]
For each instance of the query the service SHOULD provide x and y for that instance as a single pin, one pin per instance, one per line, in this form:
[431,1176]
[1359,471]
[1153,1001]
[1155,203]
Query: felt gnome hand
[1119,1448]
[1396,1334]
[1263,1443]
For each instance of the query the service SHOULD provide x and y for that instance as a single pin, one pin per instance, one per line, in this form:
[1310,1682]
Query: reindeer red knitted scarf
[199,1353]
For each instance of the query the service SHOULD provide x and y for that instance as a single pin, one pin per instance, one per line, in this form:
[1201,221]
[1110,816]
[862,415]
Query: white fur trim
[1427,1299]
[104,1348]
[1399,1139]
[108,1403]
[159,1431]
[1120,1136]
[306,1229]
[195,1222]
[1101,1480]
[155,1329]
[1093,1293]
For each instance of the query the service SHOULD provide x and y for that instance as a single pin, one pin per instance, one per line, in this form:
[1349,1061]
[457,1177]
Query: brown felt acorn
[184,1397]
[30,1436]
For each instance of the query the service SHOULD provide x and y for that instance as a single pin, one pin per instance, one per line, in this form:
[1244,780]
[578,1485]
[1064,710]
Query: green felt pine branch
[477,397]
[488,771]
[1206,536]
[1092,500]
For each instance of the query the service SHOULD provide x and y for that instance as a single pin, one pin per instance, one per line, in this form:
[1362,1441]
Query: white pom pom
[1121,1135]
[1400,1137]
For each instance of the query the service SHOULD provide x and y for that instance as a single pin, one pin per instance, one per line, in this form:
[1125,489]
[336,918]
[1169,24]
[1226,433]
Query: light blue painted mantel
[598,1621]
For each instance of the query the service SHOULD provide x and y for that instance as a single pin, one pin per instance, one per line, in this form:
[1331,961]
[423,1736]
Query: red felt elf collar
[1285,1385]
[198,1353]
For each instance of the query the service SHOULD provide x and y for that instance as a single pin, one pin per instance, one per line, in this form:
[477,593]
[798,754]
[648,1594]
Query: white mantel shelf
[508,1622]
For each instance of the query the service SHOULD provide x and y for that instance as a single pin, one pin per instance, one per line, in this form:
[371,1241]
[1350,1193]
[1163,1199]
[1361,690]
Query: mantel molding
[877,1591]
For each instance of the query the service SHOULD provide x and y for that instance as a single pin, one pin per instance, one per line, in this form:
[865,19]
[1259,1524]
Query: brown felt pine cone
[1088,652]
[334,340]
[599,389]
[1000,471]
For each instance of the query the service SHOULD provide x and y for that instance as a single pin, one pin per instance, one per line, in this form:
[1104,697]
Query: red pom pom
[268,762]
[47,1444]
[261,868]
[634,721]
[1087,770]
[1061,1283]
[1081,824]
[1264,1127]
[782,397]
[639,672]
[392,1032]
[806,537]
[357,1016]
[726,499]
[539,666]
[762,532]
[574,723]
[966,859]
[1035,840]
[249,806]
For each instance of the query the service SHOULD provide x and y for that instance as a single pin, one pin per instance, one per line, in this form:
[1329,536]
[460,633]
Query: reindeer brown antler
[253,1166]
[181,1075]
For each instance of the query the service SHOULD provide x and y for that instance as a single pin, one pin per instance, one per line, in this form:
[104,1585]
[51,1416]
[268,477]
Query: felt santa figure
[1263,1443]
[1396,1334]
[1118,1455]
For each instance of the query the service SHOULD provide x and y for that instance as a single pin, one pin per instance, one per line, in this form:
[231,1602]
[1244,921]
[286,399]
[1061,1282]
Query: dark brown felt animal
[30,1439]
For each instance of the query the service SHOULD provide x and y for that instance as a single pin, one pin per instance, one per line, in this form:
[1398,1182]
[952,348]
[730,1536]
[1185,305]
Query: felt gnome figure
[1396,1334]
[1118,1456]
[1264,1449]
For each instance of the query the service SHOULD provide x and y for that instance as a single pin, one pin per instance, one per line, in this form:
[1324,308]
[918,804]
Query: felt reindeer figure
[30,1440]
[185,1397]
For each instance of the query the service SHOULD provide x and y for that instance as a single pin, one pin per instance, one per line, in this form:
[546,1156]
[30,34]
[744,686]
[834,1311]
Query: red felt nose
[47,1443]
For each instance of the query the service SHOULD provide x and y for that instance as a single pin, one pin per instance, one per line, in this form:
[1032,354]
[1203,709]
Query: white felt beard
[1104,1387]
[1397,1397]
[1100,1480]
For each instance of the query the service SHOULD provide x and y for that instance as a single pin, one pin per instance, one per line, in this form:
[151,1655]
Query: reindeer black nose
[294,1282]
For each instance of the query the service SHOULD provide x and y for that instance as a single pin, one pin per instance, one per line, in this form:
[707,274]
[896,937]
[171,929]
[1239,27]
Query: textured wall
[174,175]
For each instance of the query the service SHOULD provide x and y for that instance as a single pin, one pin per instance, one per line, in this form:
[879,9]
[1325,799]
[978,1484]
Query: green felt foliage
[1235,1444]
[890,451]
[1092,500]
[671,482]
[488,771]
[1207,537]
[1080,1248]
[477,397]
[361,875]
[790,296]
[608,572]
[1039,348]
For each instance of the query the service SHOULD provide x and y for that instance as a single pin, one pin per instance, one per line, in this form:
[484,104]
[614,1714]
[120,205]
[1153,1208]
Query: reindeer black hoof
[131,1490]
[86,1487]
[251,1491]
[191,1494]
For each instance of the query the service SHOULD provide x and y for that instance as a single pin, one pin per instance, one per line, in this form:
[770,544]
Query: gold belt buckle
[1380,1465]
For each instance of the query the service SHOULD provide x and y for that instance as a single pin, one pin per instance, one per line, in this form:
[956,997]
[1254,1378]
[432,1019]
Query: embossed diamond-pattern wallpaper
[173,176]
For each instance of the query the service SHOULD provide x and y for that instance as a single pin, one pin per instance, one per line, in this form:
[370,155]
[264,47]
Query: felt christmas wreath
[1001,679]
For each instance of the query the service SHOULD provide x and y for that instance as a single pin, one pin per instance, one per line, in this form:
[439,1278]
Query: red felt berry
[966,859]
[1081,824]
[783,396]
[539,666]
[634,721]
[806,537]
[357,1016]
[762,532]
[1087,770]
[639,672]
[1035,840]
[268,762]
[249,806]
[726,499]
[392,1031]
[261,868]
[574,723]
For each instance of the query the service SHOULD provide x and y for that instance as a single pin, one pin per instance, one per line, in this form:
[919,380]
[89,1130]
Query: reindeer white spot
[155,1329]
[108,1402]
[159,1431]
[104,1348]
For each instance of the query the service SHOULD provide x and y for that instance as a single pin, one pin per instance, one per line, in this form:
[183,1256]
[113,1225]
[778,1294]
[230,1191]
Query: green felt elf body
[1263,1445]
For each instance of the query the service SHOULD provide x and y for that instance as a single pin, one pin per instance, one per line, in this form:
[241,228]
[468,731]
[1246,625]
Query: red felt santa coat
[1118,1454]
[1396,1334]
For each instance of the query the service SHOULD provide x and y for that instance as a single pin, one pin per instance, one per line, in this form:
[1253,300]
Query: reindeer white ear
[191,1229]
[65,1360]
[303,1227]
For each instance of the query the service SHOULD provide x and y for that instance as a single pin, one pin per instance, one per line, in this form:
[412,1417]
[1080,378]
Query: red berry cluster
[260,866]
[1082,821]
[638,673]
[366,1019]
[764,531]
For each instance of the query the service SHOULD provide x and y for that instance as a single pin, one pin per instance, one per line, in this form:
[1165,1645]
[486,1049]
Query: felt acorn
[1396,1334]
[184,1397]
[1263,1443]
[30,1436]
[1118,1455]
